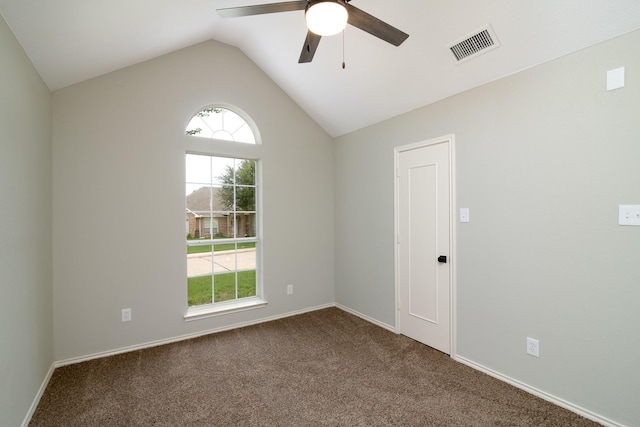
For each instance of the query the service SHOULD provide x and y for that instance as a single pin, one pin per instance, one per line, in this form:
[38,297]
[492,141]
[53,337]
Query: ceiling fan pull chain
[343,64]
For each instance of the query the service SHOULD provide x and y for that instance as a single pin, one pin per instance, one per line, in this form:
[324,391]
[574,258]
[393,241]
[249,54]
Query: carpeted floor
[324,368]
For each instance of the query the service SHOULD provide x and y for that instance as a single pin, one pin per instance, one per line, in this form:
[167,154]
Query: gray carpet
[324,368]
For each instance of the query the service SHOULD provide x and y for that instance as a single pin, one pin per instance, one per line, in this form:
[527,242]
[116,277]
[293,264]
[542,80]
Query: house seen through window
[221,214]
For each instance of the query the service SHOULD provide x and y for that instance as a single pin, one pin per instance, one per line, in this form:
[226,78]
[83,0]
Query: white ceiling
[70,41]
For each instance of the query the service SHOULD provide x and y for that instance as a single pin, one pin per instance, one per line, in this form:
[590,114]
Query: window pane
[199,261]
[246,256]
[224,287]
[199,290]
[223,170]
[244,134]
[247,284]
[224,257]
[232,121]
[246,225]
[245,199]
[220,123]
[197,126]
[246,172]
[213,118]
[225,198]
[201,199]
[234,267]
[190,188]
[198,169]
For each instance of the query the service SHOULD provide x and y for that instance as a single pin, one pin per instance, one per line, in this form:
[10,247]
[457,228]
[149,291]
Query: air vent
[472,46]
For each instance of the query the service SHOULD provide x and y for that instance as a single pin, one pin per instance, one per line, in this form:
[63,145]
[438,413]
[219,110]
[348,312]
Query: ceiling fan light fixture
[326,17]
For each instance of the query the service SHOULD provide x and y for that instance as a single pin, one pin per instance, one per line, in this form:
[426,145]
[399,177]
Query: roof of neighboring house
[198,202]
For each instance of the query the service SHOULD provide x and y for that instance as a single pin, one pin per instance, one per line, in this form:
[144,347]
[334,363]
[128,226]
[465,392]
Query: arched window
[222,215]
[221,123]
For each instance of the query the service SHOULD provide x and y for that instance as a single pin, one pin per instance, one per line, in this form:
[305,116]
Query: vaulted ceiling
[69,41]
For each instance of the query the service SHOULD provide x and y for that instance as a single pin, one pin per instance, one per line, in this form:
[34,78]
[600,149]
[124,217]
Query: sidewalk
[220,262]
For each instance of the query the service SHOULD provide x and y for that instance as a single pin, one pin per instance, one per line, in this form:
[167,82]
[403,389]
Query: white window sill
[210,310]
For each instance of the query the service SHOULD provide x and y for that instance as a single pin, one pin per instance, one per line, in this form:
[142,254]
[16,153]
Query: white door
[423,227]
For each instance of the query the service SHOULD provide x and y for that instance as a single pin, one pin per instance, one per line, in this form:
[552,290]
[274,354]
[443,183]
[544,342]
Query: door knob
[442,259]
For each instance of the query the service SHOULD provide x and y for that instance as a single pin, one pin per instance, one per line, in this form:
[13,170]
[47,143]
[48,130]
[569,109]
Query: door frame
[450,140]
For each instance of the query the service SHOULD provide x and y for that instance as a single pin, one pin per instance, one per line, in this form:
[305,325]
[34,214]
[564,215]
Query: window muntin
[220,123]
[221,229]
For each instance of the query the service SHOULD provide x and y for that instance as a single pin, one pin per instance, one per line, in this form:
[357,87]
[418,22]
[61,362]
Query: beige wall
[544,158]
[119,149]
[26,348]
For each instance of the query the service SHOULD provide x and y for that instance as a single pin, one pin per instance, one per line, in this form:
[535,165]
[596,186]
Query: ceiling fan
[323,18]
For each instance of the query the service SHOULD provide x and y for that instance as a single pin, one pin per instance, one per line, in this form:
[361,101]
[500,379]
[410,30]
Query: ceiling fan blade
[309,48]
[259,9]
[374,26]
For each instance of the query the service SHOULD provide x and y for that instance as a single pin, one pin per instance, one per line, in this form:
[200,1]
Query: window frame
[205,146]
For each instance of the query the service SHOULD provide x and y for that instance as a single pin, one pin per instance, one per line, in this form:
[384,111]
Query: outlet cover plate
[533,347]
[629,214]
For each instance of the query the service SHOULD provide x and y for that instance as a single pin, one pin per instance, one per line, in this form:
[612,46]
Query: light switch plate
[629,215]
[464,214]
[615,78]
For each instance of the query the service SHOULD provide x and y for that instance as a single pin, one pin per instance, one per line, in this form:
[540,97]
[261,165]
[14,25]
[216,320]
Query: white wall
[26,348]
[544,158]
[118,192]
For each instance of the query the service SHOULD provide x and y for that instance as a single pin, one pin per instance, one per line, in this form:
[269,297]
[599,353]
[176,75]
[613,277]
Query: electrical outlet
[126,315]
[289,289]
[533,347]
[629,215]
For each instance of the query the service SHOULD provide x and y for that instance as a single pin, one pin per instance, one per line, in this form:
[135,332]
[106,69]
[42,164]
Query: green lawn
[199,288]
[221,247]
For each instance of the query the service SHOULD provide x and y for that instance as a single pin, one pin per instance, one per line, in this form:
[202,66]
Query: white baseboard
[536,392]
[36,400]
[367,318]
[150,344]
